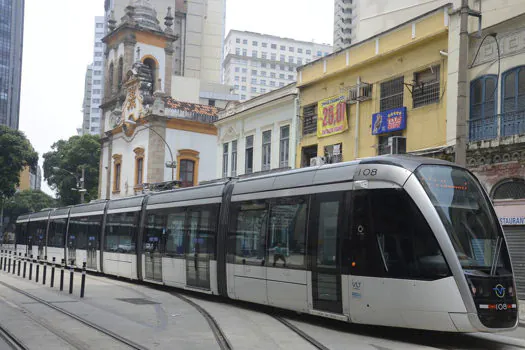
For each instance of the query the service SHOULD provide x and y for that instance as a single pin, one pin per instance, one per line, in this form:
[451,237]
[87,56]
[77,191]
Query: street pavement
[155,318]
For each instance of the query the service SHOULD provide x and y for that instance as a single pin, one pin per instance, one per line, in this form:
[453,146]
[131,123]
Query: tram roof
[40,215]
[187,194]
[88,209]
[127,204]
[60,213]
[327,173]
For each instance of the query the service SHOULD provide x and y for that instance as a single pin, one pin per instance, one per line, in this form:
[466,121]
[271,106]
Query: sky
[58,47]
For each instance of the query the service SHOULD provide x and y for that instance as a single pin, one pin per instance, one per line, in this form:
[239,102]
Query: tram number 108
[367,172]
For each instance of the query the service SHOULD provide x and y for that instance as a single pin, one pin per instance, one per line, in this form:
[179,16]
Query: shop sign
[389,121]
[512,220]
[331,114]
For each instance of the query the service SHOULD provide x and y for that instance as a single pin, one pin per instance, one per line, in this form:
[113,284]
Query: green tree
[67,157]
[26,202]
[16,152]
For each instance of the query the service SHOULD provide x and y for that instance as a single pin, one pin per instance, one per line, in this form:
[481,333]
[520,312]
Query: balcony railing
[501,125]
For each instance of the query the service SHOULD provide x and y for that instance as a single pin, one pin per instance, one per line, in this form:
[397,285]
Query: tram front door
[325,227]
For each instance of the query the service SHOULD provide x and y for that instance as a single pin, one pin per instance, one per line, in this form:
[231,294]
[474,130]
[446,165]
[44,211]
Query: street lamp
[80,182]
[171,164]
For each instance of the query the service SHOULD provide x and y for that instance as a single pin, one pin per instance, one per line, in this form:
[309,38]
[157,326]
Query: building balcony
[502,125]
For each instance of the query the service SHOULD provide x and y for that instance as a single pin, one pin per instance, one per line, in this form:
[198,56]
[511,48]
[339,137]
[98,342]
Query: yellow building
[392,84]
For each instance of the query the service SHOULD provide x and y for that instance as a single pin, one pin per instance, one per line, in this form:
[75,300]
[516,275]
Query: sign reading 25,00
[331,116]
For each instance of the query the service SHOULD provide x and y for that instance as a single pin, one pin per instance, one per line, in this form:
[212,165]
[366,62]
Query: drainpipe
[294,133]
[356,145]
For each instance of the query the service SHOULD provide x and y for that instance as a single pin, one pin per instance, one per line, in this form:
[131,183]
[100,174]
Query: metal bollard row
[13,262]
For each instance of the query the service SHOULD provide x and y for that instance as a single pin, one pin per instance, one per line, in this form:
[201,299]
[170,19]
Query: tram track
[89,324]
[11,340]
[300,333]
[218,333]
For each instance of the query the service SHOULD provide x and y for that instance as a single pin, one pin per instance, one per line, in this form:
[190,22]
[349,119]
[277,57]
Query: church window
[117,169]
[152,72]
[120,71]
[110,78]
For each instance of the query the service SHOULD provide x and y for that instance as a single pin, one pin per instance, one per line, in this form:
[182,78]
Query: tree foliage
[70,156]
[27,201]
[16,152]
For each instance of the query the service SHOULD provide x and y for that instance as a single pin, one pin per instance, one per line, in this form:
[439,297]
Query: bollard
[9,263]
[53,273]
[14,262]
[31,267]
[45,270]
[19,263]
[62,275]
[83,282]
[1,258]
[25,262]
[37,264]
[71,276]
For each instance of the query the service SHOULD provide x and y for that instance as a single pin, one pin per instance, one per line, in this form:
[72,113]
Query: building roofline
[335,53]
[276,37]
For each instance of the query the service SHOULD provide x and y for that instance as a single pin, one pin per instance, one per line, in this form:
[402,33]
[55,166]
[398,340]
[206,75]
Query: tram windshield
[465,211]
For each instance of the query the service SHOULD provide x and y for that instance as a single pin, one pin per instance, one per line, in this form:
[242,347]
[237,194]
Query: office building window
[264,55]
[284,146]
[272,83]
[282,67]
[282,58]
[281,76]
[274,46]
[263,91]
[299,61]
[244,70]
[254,71]
[225,160]
[283,48]
[273,66]
[281,84]
[238,51]
[299,50]
[243,97]
[245,41]
[243,88]
[290,59]
[264,44]
[238,40]
[244,52]
[254,53]
[272,75]
[243,79]
[273,57]
[308,52]
[291,49]
[255,43]
[310,119]
[426,89]
[392,94]
[266,150]
[249,155]
[234,158]
[263,65]
[254,89]
[263,73]
[263,82]
[236,78]
[290,77]
[319,53]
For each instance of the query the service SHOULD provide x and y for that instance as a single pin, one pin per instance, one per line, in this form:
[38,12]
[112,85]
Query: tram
[395,240]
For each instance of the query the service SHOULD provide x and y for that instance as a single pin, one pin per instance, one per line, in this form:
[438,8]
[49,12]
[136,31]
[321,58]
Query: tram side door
[153,249]
[71,247]
[197,255]
[92,247]
[325,229]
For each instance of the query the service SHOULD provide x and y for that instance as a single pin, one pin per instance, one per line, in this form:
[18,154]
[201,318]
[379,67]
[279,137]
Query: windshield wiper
[493,267]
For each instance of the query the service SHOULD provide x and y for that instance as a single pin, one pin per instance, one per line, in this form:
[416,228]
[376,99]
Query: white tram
[397,241]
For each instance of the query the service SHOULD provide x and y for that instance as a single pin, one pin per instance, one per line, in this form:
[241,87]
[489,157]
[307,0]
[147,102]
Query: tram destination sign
[512,220]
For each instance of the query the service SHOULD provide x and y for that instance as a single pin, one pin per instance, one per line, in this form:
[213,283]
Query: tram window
[154,232]
[57,233]
[121,232]
[248,232]
[202,230]
[287,233]
[81,228]
[393,238]
[21,233]
[175,233]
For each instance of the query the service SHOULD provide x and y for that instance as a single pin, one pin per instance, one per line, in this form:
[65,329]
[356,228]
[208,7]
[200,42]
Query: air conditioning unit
[316,161]
[397,144]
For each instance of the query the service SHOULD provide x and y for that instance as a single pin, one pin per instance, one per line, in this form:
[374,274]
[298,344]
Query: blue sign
[153,239]
[388,121]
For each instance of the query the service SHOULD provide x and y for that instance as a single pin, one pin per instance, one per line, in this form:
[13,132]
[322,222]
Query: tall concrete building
[200,28]
[358,20]
[257,63]
[94,83]
[11,43]
[86,104]
[345,14]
